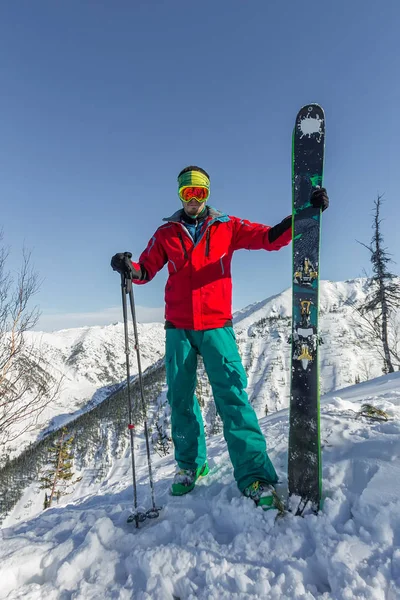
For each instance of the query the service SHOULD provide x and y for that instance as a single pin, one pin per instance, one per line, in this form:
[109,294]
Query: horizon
[146,313]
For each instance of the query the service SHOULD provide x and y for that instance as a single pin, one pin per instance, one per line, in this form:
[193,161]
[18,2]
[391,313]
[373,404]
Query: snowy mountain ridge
[333,294]
[91,360]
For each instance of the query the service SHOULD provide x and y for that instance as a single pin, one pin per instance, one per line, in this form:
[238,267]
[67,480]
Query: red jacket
[198,293]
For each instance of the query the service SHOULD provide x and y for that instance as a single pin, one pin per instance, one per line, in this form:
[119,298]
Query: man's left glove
[122,263]
[319,199]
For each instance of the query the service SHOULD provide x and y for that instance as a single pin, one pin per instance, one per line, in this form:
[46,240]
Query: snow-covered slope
[89,361]
[263,329]
[213,543]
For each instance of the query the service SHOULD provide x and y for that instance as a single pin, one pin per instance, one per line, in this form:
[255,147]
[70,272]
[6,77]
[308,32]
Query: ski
[304,459]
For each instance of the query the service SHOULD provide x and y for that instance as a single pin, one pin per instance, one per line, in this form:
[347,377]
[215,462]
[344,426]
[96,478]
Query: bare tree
[383,297]
[365,367]
[394,331]
[26,387]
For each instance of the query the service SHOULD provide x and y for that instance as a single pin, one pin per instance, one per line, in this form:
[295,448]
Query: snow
[91,362]
[214,543]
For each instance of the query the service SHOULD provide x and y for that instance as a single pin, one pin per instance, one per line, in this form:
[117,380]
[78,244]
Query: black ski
[304,469]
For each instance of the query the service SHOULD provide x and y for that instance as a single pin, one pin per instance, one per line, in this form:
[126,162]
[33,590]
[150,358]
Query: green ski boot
[264,495]
[185,480]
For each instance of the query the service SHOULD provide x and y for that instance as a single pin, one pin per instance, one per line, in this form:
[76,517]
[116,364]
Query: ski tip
[313,107]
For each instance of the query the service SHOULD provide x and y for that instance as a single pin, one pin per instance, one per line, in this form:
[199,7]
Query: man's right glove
[122,263]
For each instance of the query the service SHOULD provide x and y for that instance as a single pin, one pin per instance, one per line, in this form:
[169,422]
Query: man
[198,242]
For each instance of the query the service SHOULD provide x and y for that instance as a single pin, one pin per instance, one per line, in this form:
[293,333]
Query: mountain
[93,404]
[346,353]
[90,363]
[214,543]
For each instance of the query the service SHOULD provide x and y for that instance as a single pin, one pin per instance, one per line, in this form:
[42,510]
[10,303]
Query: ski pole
[153,512]
[131,426]
[126,286]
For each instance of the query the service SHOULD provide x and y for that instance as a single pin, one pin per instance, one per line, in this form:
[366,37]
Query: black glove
[319,199]
[122,263]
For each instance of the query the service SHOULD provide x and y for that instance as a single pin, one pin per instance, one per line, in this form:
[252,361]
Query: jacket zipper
[183,244]
[208,241]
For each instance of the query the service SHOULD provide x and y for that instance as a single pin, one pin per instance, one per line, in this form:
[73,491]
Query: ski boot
[264,495]
[185,480]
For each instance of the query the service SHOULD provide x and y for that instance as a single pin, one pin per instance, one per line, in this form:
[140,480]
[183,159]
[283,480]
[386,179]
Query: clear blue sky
[102,103]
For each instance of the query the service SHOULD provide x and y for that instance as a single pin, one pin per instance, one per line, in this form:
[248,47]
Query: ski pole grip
[128,272]
[128,264]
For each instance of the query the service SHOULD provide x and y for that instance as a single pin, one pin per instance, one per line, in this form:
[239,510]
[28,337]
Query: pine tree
[384,296]
[162,443]
[60,470]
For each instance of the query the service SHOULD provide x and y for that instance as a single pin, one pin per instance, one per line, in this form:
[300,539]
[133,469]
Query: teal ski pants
[246,444]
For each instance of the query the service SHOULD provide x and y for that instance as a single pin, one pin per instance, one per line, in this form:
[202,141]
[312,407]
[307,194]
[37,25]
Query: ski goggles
[193,184]
[187,194]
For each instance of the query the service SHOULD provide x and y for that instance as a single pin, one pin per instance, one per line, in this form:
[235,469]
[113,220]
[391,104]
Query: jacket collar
[213,214]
